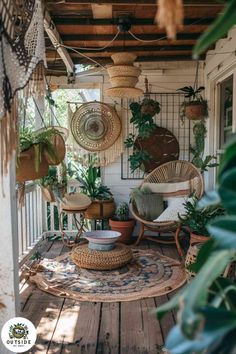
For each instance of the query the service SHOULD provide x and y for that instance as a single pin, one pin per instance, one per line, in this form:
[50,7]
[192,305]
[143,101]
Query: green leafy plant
[122,212]
[56,179]
[194,97]
[197,219]
[206,306]
[42,142]
[89,178]
[224,22]
[142,119]
[203,163]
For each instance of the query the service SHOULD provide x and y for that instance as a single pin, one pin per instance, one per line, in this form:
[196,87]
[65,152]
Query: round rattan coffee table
[87,258]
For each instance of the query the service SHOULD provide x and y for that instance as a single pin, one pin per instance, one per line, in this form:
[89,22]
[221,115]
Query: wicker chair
[173,171]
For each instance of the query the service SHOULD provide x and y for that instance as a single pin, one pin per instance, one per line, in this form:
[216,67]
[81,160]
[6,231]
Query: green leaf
[218,29]
[227,190]
[209,199]
[228,160]
[211,336]
[224,232]
[195,296]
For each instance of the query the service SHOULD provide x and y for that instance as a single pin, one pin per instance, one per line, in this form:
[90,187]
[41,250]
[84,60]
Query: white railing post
[9,279]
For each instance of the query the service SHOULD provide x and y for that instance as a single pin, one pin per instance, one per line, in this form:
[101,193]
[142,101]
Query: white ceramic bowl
[102,236]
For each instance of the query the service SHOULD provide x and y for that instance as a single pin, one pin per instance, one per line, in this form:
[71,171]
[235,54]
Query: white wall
[220,64]
[163,77]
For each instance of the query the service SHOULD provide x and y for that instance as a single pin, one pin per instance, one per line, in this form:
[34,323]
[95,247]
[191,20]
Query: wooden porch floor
[68,326]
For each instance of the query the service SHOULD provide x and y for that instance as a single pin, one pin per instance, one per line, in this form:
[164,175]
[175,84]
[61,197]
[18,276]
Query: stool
[75,203]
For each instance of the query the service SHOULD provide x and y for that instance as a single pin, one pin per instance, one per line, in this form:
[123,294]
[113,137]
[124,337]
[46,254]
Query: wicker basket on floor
[84,257]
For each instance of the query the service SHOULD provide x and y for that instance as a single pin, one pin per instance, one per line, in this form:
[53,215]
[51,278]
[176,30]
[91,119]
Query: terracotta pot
[26,171]
[101,209]
[60,150]
[195,111]
[124,227]
[194,238]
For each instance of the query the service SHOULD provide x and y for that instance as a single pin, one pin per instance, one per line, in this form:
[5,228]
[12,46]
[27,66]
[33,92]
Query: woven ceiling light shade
[124,76]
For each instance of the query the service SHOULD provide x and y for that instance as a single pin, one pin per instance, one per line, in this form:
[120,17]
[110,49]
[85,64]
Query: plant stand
[79,225]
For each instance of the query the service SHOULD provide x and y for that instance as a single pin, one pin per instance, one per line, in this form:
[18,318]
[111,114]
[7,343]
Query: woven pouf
[84,257]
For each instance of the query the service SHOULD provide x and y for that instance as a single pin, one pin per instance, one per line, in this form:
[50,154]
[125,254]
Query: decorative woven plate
[162,145]
[95,126]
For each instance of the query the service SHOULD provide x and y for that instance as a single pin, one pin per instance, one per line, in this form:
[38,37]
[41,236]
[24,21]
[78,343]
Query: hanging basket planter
[195,110]
[101,209]
[30,166]
[60,150]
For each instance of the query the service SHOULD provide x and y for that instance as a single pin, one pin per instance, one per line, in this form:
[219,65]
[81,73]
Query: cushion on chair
[170,189]
[149,205]
[175,208]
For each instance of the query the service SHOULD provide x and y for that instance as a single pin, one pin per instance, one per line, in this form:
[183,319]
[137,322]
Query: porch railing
[37,218]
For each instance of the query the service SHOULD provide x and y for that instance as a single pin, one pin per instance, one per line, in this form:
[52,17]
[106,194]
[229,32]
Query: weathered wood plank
[140,331]
[77,329]
[108,341]
[168,320]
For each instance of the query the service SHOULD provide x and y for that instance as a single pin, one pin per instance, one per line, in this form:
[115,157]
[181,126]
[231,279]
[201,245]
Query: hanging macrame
[22,53]
[95,128]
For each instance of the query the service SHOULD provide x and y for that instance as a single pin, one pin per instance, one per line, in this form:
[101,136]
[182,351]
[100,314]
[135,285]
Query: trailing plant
[56,179]
[122,212]
[142,119]
[199,132]
[194,97]
[89,177]
[197,219]
[41,142]
[206,306]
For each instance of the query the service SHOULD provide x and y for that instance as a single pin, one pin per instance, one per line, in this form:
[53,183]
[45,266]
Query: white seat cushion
[175,208]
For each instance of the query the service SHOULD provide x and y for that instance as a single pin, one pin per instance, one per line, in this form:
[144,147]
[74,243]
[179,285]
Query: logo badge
[18,335]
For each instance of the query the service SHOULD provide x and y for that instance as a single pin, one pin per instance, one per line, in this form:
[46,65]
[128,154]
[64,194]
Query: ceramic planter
[100,209]
[124,227]
[195,110]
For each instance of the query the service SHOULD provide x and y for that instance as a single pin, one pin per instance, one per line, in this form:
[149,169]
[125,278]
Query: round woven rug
[149,274]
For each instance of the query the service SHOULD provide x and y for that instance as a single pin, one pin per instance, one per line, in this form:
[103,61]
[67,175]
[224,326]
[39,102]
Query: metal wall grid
[169,118]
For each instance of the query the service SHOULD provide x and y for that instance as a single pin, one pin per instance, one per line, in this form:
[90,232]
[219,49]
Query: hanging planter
[27,169]
[196,107]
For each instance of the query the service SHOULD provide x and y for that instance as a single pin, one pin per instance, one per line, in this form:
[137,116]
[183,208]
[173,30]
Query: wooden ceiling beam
[78,21]
[109,37]
[56,40]
[135,2]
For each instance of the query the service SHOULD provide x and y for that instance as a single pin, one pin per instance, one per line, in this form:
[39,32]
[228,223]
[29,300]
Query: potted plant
[122,222]
[195,107]
[55,183]
[36,152]
[142,118]
[196,219]
[103,205]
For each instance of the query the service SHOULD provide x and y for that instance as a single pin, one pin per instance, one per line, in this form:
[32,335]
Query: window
[226,110]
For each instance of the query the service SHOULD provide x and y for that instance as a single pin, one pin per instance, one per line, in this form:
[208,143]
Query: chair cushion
[172,189]
[175,208]
[149,206]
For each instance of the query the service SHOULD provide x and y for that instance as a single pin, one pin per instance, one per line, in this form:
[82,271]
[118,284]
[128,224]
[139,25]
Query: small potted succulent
[122,222]
[195,107]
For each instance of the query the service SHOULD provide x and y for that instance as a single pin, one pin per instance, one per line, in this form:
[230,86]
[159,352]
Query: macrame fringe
[104,157]
[8,136]
[170,15]
[37,84]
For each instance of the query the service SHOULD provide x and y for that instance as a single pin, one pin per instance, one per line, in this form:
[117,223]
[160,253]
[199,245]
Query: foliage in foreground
[207,305]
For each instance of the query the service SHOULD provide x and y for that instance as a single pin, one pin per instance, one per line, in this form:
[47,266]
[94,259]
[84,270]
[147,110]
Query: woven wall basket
[95,126]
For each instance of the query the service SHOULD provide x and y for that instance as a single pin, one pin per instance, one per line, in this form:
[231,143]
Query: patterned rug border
[171,284]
